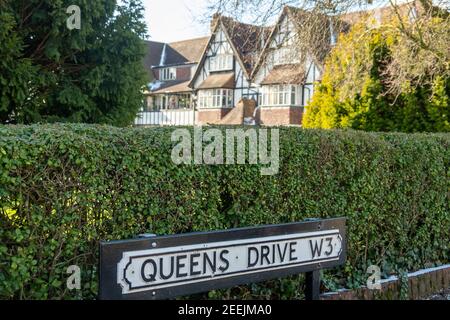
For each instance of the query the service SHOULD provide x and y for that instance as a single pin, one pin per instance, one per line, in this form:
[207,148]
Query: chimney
[215,19]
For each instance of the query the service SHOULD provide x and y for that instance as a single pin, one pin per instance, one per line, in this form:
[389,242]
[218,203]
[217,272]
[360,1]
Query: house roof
[173,87]
[284,74]
[176,53]
[187,51]
[319,42]
[272,33]
[247,39]
[218,80]
[153,55]
[383,13]
[317,50]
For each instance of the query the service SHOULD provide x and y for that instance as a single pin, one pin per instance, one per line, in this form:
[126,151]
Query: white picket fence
[166,118]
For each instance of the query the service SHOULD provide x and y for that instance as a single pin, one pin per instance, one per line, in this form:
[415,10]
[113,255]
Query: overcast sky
[174,20]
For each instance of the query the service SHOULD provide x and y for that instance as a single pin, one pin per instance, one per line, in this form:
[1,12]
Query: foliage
[65,187]
[358,91]
[49,73]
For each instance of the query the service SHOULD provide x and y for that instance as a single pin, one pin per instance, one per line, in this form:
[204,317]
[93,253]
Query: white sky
[174,20]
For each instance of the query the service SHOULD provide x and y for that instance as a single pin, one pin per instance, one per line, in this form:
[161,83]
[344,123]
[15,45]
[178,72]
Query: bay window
[215,98]
[280,95]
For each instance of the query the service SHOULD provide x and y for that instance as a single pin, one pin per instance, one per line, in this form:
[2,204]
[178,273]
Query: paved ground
[443,295]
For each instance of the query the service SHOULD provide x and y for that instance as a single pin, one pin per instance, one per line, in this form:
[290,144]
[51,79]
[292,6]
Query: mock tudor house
[168,99]
[285,79]
[223,76]
[172,66]
[208,77]
[243,73]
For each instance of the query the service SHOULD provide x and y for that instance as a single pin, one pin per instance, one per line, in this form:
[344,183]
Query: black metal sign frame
[111,253]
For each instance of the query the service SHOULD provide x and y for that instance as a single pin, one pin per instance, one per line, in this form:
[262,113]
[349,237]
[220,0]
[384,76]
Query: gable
[219,44]
[282,49]
[283,33]
[247,41]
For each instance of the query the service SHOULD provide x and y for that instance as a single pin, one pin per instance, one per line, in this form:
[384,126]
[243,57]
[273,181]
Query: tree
[422,27]
[390,73]
[50,73]
[356,93]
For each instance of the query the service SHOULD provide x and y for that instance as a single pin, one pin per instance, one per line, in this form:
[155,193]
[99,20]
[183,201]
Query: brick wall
[281,116]
[211,116]
[184,73]
[420,285]
[244,109]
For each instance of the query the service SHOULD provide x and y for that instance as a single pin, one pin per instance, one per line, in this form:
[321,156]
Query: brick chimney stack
[215,19]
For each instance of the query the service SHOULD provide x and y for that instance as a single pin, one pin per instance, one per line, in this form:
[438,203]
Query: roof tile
[218,80]
[285,74]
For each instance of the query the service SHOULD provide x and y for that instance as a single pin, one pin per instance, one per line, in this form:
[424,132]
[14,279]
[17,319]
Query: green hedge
[65,187]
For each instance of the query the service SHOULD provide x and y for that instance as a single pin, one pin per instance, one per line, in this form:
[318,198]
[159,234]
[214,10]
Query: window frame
[280,95]
[167,74]
[215,98]
[222,58]
[221,62]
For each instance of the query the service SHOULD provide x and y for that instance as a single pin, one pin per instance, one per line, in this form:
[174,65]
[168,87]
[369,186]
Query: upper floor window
[221,57]
[332,33]
[284,36]
[412,15]
[285,55]
[378,18]
[221,62]
[167,74]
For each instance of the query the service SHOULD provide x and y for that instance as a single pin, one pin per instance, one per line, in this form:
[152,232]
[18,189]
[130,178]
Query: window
[279,95]
[285,55]
[184,101]
[412,15]
[222,58]
[216,98]
[306,96]
[332,33]
[167,74]
[285,35]
[378,18]
[285,51]
[222,62]
[170,102]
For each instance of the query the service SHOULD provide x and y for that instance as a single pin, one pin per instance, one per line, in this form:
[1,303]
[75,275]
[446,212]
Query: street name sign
[170,266]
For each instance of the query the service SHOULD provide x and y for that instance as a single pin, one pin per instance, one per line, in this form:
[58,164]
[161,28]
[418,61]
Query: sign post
[169,266]
[312,284]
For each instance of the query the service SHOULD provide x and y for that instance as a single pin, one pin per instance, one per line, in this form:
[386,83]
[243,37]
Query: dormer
[167,74]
